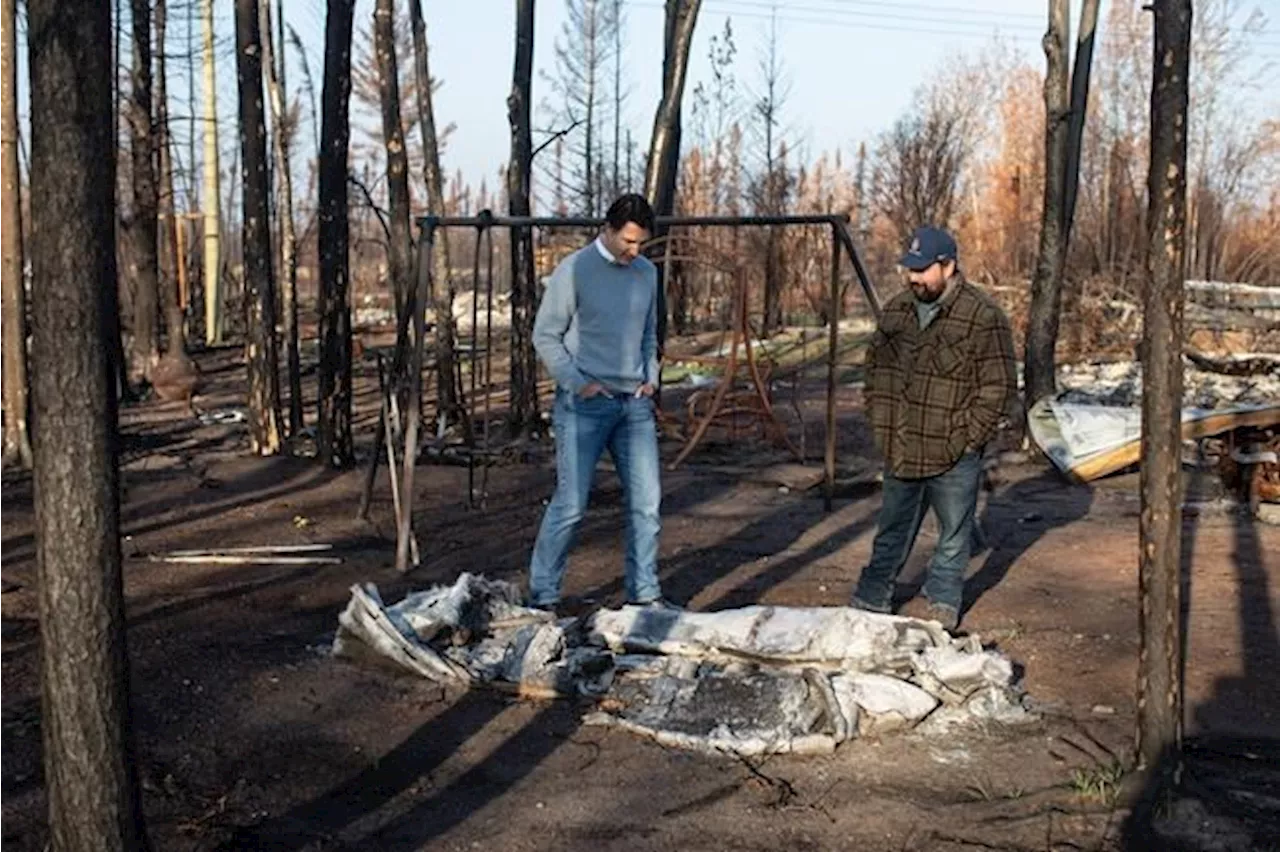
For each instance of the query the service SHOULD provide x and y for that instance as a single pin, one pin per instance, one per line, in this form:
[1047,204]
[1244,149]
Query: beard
[924,294]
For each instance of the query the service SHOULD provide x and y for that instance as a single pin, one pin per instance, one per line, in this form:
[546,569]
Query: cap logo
[915,245]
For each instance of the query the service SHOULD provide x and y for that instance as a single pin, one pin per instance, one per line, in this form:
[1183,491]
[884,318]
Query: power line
[856,25]
[851,19]
[921,7]
[844,11]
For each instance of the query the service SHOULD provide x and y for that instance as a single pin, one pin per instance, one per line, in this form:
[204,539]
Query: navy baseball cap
[928,246]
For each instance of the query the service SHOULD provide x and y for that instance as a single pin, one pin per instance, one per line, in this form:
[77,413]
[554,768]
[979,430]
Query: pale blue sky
[852,64]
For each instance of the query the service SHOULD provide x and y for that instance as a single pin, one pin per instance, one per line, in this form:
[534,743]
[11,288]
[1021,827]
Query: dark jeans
[953,495]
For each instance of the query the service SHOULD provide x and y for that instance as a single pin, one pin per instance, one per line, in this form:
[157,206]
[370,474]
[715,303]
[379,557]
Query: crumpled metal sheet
[739,707]
[474,631]
[755,680]
[840,637]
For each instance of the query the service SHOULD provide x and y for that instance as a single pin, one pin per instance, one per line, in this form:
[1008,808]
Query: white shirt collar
[604,252]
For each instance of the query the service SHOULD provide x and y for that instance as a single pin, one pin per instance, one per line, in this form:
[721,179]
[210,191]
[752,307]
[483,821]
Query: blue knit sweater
[598,322]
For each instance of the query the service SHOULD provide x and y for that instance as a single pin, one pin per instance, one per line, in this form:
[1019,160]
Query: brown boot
[926,610]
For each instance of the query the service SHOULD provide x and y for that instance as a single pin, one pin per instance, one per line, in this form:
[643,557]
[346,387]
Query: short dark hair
[630,208]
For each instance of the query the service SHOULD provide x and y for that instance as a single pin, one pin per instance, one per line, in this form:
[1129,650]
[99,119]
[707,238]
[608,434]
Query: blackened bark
[170,299]
[142,231]
[524,285]
[90,780]
[1160,523]
[400,249]
[448,381]
[1046,285]
[284,214]
[664,147]
[334,432]
[260,301]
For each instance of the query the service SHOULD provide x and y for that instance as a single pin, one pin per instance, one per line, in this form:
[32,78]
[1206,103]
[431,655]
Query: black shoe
[858,603]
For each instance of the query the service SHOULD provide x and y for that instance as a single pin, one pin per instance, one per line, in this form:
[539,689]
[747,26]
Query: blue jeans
[625,425]
[953,495]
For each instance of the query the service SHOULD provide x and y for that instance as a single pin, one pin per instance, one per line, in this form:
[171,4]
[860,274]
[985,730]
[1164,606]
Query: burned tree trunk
[448,388]
[1063,148]
[170,297]
[1160,524]
[288,238]
[524,285]
[334,433]
[17,441]
[144,350]
[400,248]
[259,286]
[90,779]
[664,146]
[1046,285]
[1080,73]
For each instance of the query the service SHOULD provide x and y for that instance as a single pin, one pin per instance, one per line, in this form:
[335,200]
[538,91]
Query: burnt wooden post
[1160,526]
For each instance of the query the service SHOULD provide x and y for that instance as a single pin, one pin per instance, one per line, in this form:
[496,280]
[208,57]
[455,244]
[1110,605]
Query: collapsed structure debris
[755,680]
[1092,428]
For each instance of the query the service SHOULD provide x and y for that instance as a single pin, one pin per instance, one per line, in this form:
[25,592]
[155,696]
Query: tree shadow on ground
[1018,516]
[1219,791]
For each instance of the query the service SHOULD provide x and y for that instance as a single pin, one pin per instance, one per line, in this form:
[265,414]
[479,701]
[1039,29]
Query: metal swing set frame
[408,553]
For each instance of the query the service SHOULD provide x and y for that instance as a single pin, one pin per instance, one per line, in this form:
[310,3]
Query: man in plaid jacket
[941,375]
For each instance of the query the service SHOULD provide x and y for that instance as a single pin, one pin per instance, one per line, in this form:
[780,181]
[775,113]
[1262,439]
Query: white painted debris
[1092,428]
[755,680]
[882,703]
[223,416]
[367,619]
[1119,383]
[840,637]
[952,675]
[472,631]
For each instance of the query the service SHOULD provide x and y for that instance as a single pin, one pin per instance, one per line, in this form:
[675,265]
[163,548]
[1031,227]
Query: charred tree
[142,223]
[281,136]
[400,248]
[259,287]
[448,382]
[1046,284]
[1160,523]
[524,285]
[175,375]
[334,434]
[664,146]
[89,769]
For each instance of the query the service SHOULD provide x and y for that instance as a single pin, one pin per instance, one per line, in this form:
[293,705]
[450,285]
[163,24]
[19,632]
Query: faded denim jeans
[625,426]
[953,495]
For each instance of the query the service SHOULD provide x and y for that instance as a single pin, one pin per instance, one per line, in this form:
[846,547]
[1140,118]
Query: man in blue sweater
[596,331]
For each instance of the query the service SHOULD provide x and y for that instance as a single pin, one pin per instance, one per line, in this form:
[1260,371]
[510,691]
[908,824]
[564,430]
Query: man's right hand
[591,389]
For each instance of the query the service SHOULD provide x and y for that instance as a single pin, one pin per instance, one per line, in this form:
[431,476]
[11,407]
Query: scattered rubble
[755,680]
[1093,427]
[1120,384]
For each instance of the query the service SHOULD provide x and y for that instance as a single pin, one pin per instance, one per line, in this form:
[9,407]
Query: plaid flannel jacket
[936,393]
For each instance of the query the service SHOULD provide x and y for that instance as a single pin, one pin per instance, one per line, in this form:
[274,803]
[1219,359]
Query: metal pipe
[842,235]
[471,368]
[404,526]
[833,345]
[488,368]
[366,493]
[594,222]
